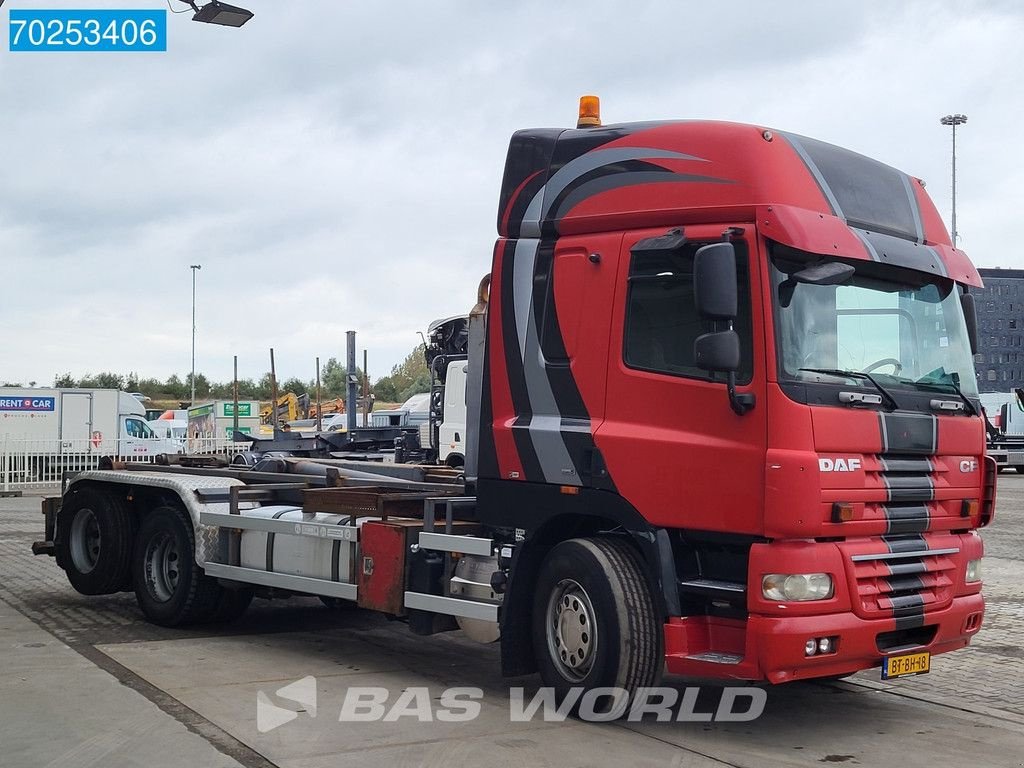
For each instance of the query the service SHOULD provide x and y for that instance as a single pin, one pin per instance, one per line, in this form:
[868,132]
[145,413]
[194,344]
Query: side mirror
[970,319]
[714,281]
[718,351]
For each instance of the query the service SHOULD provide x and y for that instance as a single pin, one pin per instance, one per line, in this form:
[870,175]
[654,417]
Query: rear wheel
[170,588]
[94,541]
[594,624]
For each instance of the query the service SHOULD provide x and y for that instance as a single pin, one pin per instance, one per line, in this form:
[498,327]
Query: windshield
[905,329]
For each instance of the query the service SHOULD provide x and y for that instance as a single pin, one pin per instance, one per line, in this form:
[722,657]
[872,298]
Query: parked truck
[217,420]
[1004,412]
[721,419]
[43,431]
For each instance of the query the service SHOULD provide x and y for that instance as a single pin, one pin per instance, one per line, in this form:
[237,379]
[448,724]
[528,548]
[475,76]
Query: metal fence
[40,464]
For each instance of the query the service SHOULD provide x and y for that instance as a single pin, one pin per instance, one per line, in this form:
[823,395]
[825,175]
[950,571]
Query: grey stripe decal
[909,433]
[907,610]
[617,180]
[938,260]
[545,426]
[906,519]
[919,229]
[826,190]
[270,540]
[336,560]
[589,161]
[867,243]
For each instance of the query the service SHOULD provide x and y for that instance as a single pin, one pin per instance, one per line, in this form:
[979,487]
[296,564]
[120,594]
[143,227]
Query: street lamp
[194,268]
[954,121]
[216,12]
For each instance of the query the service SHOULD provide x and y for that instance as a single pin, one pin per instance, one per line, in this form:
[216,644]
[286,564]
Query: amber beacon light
[590,112]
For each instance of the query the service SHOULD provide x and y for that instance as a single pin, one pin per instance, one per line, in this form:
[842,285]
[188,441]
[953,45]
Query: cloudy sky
[335,165]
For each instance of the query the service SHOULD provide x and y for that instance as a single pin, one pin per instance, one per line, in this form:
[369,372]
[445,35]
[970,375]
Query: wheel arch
[139,498]
[595,513]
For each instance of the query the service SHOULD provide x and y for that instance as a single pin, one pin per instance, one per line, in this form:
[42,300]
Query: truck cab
[750,350]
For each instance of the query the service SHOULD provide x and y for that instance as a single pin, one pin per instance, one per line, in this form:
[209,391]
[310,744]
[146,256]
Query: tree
[406,379]
[263,389]
[202,385]
[104,380]
[333,378]
[64,380]
[384,390]
[175,388]
[294,385]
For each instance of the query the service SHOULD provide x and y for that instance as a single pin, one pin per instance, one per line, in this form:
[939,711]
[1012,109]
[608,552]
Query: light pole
[954,121]
[194,268]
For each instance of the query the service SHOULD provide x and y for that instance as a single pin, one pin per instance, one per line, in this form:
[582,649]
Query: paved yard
[86,682]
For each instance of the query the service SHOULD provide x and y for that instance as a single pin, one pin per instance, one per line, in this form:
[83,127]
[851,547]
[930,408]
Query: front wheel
[170,588]
[594,624]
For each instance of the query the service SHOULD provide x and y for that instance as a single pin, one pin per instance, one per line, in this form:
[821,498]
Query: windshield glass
[905,329]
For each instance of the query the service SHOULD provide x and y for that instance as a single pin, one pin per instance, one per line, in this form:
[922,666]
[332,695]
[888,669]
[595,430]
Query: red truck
[722,420]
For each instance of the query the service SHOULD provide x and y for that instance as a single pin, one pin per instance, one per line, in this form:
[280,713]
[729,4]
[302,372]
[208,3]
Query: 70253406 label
[87,30]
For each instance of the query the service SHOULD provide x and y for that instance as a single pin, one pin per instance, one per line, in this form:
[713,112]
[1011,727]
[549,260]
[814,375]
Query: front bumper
[772,647]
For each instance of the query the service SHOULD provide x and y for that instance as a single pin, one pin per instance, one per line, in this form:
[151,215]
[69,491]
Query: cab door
[673,445]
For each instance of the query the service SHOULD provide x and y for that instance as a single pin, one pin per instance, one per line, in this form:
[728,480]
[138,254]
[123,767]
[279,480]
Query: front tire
[170,588]
[594,624]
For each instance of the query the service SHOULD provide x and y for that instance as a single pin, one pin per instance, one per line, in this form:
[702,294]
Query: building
[999,363]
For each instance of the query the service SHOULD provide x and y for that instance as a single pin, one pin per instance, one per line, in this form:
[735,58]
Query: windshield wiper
[856,375]
[955,386]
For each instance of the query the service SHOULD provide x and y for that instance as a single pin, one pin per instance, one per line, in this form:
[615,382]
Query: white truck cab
[451,434]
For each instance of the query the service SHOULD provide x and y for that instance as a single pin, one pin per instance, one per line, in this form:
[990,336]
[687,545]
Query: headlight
[796,587]
[973,570]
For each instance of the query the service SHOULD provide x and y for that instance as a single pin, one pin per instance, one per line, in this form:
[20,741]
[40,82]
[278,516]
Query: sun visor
[829,235]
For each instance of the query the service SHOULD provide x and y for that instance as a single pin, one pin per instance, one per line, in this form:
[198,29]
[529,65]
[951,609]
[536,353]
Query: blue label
[84,30]
[27,403]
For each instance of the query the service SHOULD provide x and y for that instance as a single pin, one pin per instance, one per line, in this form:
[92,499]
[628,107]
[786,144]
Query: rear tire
[170,588]
[94,541]
[594,624]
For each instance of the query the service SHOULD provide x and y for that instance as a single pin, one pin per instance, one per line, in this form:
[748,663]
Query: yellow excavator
[289,408]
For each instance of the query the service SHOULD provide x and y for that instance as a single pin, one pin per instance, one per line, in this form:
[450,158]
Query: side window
[137,428]
[662,321]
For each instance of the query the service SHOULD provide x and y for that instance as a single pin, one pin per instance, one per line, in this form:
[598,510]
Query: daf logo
[968,465]
[839,465]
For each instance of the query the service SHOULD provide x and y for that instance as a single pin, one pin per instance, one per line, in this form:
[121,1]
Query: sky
[335,165]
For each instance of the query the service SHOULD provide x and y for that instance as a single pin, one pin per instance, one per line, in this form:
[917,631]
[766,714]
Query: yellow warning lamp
[590,112]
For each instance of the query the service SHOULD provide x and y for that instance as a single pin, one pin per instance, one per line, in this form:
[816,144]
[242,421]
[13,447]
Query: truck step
[715,657]
[713,588]
[466,545]
[452,606]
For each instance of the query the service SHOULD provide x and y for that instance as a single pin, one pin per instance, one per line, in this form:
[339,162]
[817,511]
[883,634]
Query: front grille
[908,578]
[909,492]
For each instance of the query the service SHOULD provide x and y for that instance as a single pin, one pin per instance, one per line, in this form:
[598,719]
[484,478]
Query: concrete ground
[86,682]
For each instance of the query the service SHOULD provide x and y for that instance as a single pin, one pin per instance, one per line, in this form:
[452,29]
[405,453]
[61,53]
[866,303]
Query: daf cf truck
[721,417]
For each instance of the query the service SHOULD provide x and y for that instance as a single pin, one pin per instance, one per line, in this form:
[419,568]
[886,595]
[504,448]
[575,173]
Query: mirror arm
[741,402]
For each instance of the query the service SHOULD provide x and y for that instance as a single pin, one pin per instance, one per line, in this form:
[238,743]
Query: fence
[41,464]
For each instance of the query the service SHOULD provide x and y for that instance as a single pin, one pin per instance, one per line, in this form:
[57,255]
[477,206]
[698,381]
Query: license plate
[904,666]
